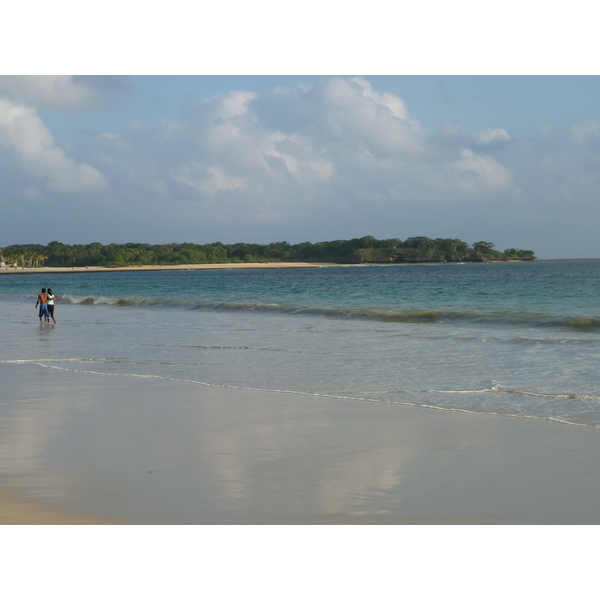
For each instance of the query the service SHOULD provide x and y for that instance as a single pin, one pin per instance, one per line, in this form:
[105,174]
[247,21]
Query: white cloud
[208,180]
[491,135]
[57,91]
[109,135]
[232,105]
[270,157]
[335,156]
[587,130]
[62,91]
[233,135]
[297,154]
[477,173]
[341,144]
[369,121]
[391,101]
[22,131]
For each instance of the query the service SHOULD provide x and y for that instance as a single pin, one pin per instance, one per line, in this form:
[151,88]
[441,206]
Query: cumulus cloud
[337,148]
[589,130]
[290,143]
[491,135]
[335,155]
[394,103]
[23,132]
[61,91]
[377,123]
[232,105]
[208,180]
[477,173]
[229,153]
[558,170]
[269,156]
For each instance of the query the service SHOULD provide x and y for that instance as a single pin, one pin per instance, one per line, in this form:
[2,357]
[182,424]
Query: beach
[438,394]
[16,511]
[93,448]
[192,267]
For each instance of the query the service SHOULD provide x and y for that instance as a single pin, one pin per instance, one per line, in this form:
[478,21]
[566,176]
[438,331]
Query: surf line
[298,393]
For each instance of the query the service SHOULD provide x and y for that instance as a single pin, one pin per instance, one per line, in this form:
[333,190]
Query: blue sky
[522,104]
[438,149]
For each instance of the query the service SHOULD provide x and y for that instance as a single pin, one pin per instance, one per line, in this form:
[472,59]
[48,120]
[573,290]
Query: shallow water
[519,339]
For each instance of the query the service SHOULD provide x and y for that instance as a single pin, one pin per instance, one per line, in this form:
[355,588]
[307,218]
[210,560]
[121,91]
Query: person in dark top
[51,300]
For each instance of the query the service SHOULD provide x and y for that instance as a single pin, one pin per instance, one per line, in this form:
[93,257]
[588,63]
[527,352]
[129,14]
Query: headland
[191,267]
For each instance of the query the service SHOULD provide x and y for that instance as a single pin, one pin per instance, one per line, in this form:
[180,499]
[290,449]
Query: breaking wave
[580,323]
[499,389]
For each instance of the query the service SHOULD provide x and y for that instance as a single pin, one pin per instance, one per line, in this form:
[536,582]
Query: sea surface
[515,339]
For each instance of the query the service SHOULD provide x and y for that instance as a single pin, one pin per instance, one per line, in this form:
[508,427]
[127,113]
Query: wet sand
[16,511]
[86,448]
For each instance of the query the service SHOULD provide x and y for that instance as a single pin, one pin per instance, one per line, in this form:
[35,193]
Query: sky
[241,155]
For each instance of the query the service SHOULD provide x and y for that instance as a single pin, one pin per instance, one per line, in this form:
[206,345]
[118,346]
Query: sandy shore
[270,265]
[79,447]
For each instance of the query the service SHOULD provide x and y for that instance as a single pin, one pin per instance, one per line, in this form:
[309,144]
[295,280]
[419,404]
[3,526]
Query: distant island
[355,251]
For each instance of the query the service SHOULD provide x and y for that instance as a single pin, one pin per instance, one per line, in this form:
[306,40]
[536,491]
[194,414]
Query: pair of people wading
[45,300]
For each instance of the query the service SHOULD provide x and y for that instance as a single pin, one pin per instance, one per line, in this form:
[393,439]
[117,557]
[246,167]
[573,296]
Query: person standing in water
[42,300]
[51,299]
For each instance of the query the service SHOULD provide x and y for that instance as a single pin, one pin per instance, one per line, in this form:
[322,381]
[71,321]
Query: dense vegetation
[359,250]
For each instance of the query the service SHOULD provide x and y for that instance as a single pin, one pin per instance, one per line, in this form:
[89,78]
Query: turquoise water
[518,339]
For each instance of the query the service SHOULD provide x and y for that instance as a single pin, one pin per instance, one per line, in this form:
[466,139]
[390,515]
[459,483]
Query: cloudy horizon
[510,160]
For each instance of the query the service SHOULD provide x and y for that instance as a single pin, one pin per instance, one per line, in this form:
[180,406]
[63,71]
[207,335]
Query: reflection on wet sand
[153,451]
[187,453]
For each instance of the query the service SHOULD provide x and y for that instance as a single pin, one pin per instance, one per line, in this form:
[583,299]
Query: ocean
[514,339]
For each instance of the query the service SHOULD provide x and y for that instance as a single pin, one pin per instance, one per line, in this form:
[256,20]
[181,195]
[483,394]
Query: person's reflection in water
[45,333]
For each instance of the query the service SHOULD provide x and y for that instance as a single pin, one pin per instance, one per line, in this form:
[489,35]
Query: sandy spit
[271,265]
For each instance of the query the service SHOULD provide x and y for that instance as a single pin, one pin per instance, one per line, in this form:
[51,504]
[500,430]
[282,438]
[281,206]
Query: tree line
[357,250]
[25,258]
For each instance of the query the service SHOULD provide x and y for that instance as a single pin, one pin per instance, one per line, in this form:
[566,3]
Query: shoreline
[191,267]
[146,451]
[269,265]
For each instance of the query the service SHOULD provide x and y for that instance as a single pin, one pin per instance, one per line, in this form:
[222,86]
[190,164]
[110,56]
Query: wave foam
[496,388]
[516,318]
